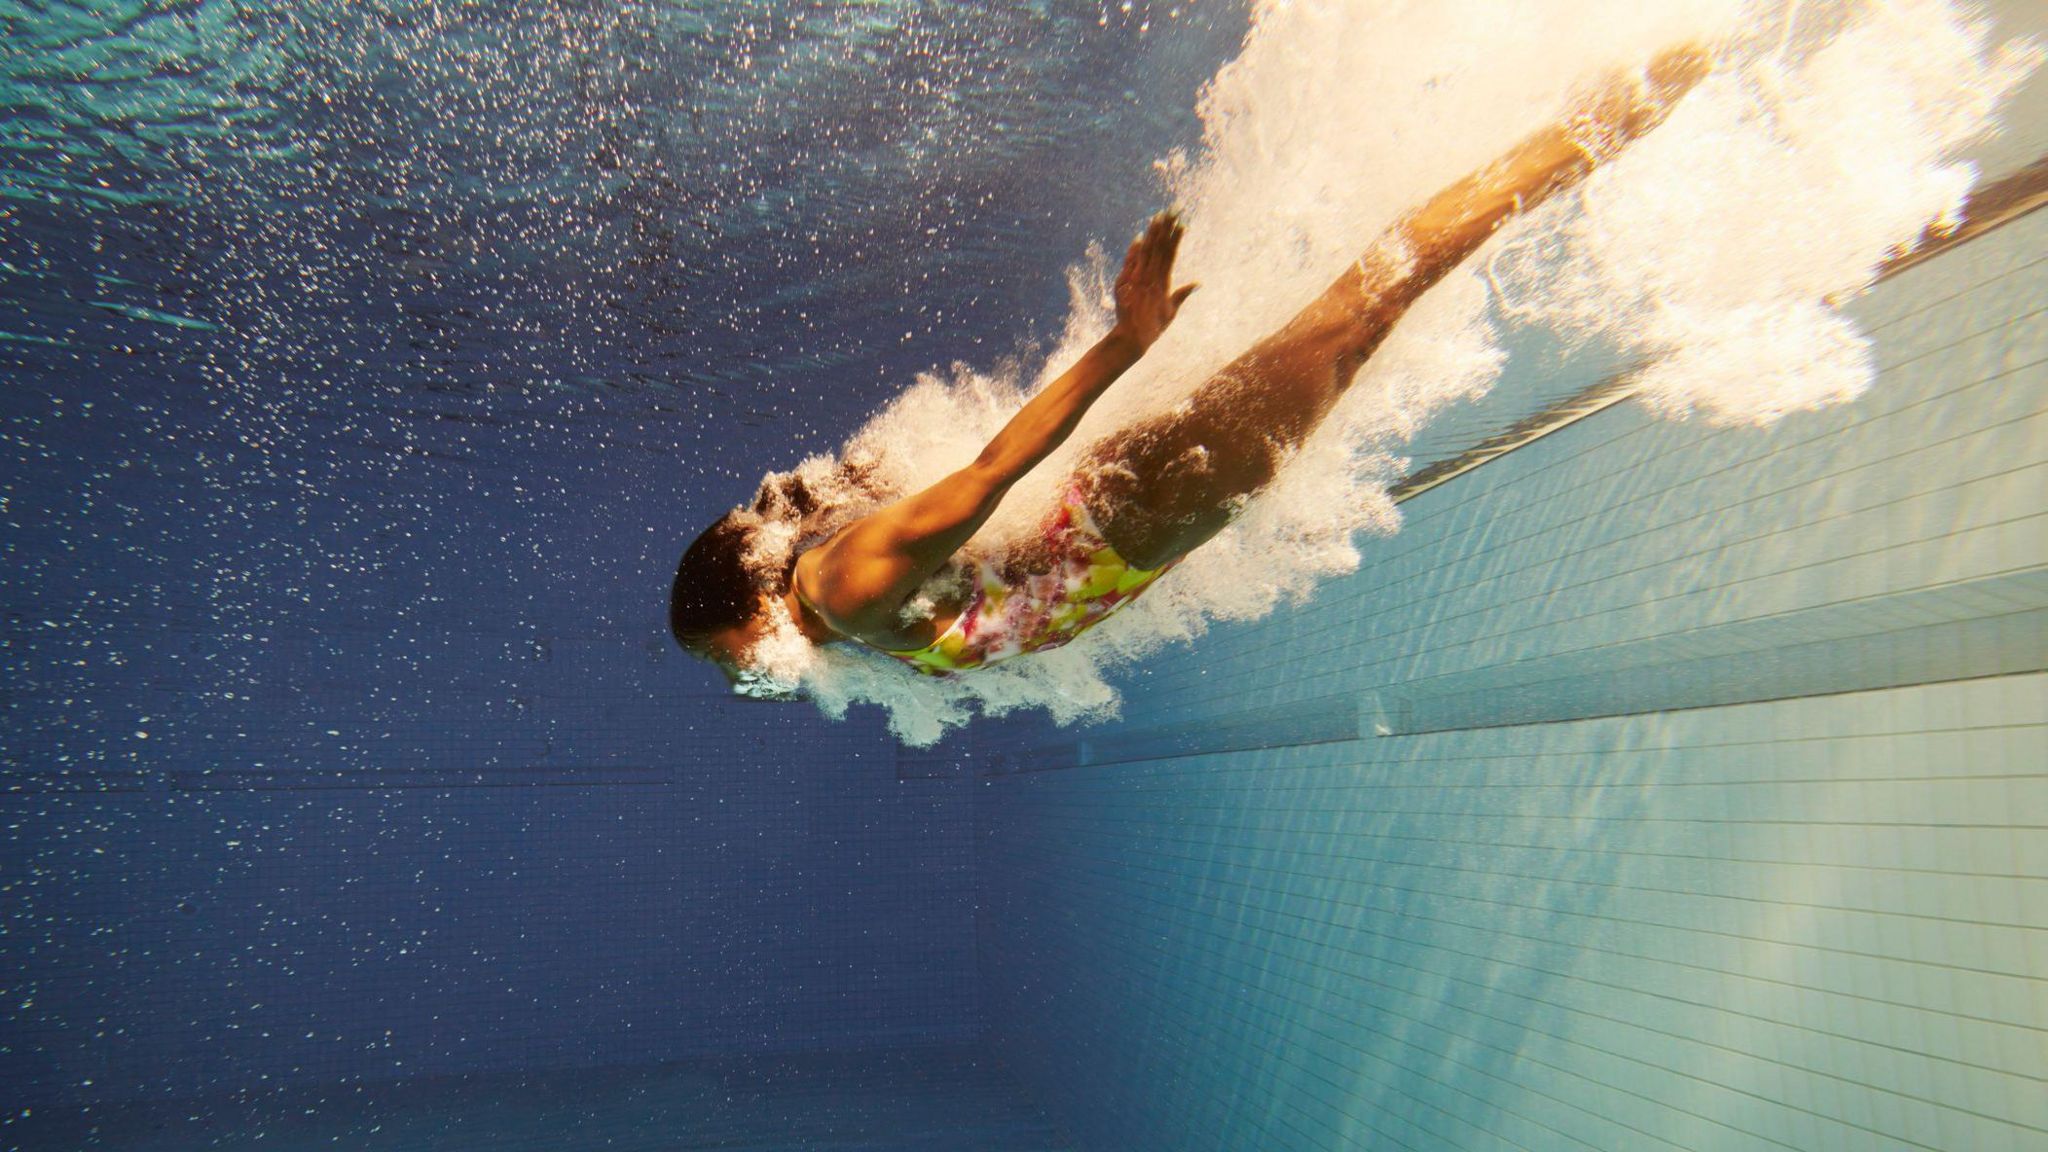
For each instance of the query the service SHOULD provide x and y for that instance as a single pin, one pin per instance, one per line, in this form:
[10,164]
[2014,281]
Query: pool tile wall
[1817,919]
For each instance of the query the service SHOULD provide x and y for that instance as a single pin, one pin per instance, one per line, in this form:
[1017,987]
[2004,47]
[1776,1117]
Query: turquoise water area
[1659,785]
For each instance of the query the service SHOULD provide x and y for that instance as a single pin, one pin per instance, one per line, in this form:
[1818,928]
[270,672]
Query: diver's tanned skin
[1162,488]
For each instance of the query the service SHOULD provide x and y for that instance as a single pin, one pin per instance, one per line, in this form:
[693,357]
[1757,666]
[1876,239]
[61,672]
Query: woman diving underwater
[1143,497]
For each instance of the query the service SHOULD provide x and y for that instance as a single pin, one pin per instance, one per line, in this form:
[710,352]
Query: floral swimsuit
[1087,581]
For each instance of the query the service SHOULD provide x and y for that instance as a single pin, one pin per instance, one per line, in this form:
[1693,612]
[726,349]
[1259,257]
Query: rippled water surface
[534,195]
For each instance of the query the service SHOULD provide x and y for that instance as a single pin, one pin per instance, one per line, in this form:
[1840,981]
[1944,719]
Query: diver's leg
[1162,488]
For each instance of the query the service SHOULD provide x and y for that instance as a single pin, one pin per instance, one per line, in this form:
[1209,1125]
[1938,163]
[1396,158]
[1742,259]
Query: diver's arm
[862,576]
[1045,423]
[1144,307]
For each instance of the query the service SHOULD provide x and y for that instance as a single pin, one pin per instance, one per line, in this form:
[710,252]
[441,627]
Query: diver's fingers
[1148,247]
[1165,238]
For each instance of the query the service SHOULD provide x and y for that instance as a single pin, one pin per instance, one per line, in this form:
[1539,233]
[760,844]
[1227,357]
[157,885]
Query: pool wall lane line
[1991,206]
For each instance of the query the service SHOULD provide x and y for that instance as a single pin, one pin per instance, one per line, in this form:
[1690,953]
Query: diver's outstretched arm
[860,579]
[1145,305]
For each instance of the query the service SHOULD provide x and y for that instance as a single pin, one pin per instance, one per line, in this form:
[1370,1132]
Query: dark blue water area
[367,367]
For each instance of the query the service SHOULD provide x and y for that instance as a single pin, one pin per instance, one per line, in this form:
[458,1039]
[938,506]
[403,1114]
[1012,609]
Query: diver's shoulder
[819,582]
[822,584]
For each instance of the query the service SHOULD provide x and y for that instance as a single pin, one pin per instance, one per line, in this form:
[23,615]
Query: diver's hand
[1146,302]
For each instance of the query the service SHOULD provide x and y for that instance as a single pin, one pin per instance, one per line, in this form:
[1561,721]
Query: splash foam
[1823,143]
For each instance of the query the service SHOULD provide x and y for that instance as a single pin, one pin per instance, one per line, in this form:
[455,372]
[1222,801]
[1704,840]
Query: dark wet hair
[720,581]
[714,590]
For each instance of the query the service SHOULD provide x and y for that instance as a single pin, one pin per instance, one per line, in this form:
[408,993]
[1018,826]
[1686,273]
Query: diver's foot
[1623,106]
[1627,105]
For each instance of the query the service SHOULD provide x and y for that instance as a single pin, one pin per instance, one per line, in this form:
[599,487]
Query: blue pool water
[1660,784]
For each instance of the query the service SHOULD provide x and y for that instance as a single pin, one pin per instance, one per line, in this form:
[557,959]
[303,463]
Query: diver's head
[721,609]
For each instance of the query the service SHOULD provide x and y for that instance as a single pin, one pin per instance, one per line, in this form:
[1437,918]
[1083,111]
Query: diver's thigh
[1161,488]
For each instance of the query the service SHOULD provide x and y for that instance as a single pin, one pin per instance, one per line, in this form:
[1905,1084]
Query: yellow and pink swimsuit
[1086,582]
